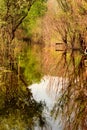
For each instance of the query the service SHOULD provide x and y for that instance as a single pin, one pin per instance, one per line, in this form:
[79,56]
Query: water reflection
[72,103]
[22,112]
[46,91]
[65,96]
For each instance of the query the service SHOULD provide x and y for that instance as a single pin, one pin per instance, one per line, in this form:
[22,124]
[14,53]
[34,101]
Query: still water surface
[48,90]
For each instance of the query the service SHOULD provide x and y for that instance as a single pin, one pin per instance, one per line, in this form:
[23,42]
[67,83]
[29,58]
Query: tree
[14,12]
[13,84]
[72,27]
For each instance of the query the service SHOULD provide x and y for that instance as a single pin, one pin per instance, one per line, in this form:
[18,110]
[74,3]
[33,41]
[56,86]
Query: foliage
[30,64]
[21,113]
[73,22]
[37,11]
[15,97]
[72,103]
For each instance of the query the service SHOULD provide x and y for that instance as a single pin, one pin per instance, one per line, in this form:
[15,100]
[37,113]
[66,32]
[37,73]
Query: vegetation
[72,27]
[19,66]
[28,32]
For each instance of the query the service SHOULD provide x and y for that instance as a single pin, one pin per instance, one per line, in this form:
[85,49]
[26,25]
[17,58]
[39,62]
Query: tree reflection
[22,112]
[72,103]
[72,27]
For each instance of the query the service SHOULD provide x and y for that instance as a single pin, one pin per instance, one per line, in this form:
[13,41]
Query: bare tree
[72,104]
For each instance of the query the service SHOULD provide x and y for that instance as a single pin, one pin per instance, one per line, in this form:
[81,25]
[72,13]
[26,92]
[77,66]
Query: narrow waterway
[47,91]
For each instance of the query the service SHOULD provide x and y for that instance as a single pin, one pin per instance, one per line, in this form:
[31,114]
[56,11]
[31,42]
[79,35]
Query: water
[48,90]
